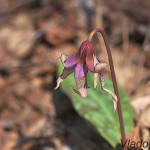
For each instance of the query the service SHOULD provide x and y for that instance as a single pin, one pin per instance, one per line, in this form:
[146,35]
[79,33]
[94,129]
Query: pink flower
[80,63]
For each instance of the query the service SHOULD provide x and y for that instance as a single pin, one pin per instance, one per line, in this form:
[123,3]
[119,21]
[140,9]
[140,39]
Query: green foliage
[97,108]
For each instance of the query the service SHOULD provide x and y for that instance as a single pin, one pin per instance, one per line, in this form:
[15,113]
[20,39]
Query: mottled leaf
[98,109]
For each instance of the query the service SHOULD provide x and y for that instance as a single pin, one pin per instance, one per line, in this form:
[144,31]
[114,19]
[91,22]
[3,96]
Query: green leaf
[98,109]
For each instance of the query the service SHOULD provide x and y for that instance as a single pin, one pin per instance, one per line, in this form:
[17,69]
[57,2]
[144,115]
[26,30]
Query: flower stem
[113,78]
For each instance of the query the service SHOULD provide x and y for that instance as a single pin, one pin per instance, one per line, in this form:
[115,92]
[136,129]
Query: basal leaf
[97,108]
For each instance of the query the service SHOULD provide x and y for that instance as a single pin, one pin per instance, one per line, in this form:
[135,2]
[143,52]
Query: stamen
[95,80]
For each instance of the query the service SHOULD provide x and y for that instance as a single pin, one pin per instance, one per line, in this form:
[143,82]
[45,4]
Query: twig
[113,79]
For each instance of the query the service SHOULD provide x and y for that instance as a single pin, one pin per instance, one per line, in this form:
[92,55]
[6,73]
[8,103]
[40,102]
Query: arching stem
[113,79]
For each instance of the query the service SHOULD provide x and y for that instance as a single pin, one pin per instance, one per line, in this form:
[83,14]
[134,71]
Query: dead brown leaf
[17,36]
[57,29]
[145,118]
[139,104]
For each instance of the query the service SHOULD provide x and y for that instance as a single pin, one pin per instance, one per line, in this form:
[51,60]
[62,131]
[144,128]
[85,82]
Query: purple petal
[80,75]
[72,60]
[90,56]
[90,61]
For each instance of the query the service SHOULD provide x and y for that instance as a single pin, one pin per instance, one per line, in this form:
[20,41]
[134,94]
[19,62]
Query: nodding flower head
[80,63]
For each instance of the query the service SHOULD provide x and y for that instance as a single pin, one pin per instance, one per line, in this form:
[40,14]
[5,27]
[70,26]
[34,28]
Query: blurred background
[33,34]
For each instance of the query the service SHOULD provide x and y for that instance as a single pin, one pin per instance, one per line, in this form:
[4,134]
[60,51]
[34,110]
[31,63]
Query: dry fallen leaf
[139,104]
[145,136]
[145,118]
[57,29]
[18,35]
[7,139]
[138,135]
[134,134]
[125,76]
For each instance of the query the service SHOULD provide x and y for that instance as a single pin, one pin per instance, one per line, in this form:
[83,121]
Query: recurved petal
[59,80]
[99,67]
[66,72]
[102,80]
[80,75]
[81,92]
[71,61]
[63,58]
